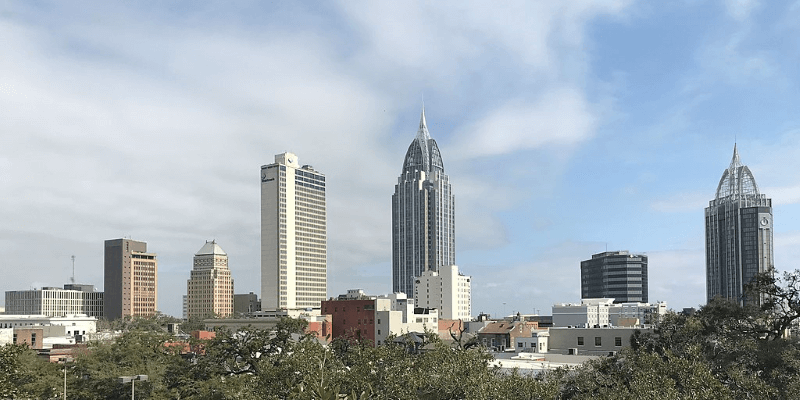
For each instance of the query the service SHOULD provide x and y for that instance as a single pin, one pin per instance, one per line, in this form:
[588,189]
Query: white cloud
[558,117]
[740,10]
[683,202]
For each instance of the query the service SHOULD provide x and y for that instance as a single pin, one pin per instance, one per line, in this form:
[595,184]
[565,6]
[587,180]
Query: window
[580,340]
[617,341]
[598,341]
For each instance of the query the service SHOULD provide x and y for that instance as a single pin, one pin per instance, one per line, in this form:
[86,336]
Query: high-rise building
[615,274]
[738,233]
[293,235]
[446,290]
[54,302]
[131,279]
[423,214]
[209,290]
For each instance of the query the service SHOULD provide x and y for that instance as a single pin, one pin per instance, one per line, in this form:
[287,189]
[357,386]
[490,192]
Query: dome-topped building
[209,291]
[738,233]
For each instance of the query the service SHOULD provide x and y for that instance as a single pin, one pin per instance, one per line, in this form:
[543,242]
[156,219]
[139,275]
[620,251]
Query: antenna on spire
[72,279]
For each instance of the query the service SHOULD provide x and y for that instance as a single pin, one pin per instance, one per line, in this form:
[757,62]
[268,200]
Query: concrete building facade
[590,341]
[53,301]
[615,274]
[423,214]
[246,303]
[131,279]
[446,290]
[738,233]
[209,290]
[374,318]
[293,235]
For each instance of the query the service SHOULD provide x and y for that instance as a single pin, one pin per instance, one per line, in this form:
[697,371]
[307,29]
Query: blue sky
[566,128]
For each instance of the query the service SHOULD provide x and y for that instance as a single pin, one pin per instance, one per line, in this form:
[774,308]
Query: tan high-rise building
[210,287]
[131,279]
[293,235]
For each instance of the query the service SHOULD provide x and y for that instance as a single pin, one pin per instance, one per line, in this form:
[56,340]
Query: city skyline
[568,128]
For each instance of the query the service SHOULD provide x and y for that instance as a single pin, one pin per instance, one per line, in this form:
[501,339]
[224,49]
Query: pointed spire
[735,162]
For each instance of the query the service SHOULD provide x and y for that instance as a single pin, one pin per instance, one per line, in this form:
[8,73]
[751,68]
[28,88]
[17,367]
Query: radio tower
[72,279]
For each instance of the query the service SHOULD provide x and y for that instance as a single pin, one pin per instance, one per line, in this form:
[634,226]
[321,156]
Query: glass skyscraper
[738,233]
[423,214]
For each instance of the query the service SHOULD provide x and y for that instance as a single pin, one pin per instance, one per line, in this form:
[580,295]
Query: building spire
[735,161]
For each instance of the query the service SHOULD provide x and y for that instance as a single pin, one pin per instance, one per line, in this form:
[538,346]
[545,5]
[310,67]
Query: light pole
[64,360]
[132,380]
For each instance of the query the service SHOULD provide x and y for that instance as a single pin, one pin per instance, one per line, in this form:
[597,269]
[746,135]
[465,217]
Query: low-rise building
[502,335]
[537,343]
[374,318]
[53,301]
[74,324]
[246,303]
[590,341]
[589,313]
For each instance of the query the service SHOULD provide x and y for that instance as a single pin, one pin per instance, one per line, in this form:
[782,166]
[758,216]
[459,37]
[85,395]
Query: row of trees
[723,351]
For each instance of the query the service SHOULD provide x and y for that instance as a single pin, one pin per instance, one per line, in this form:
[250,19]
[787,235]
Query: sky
[567,129]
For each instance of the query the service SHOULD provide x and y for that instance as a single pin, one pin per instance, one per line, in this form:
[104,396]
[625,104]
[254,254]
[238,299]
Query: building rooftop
[211,248]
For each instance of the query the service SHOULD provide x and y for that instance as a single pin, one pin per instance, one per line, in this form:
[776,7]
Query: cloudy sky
[567,128]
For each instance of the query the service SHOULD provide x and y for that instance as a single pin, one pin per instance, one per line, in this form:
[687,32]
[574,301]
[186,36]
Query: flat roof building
[293,235]
[615,274]
[53,301]
[131,279]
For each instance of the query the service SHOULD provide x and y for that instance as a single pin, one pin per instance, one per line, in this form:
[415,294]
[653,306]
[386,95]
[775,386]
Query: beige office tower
[131,279]
[210,287]
[293,235]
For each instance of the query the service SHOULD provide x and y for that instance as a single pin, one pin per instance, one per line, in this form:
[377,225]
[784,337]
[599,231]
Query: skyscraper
[209,290]
[738,233]
[615,274]
[131,279]
[293,235]
[423,214]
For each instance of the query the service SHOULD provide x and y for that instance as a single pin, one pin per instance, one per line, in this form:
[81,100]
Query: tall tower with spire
[423,214]
[738,233]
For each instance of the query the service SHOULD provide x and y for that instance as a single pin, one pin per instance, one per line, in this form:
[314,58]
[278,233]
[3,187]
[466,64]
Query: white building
[589,313]
[630,314]
[74,324]
[209,291]
[293,235]
[447,291]
[399,322]
[53,301]
[602,313]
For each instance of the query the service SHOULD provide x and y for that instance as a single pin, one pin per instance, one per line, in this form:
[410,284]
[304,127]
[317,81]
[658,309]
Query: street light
[64,360]
[132,380]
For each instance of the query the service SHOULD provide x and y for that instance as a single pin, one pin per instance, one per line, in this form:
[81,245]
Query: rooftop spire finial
[735,161]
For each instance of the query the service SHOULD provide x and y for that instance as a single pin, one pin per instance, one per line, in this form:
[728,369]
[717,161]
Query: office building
[246,303]
[131,279]
[423,214]
[738,233]
[293,235]
[209,290]
[615,274]
[447,291]
[54,301]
